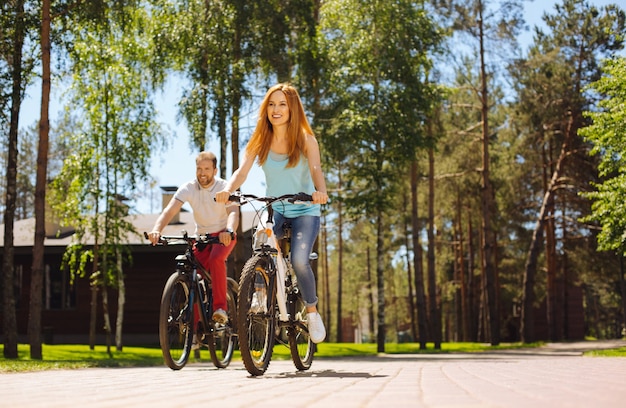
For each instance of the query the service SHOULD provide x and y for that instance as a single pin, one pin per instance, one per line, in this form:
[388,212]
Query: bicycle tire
[300,344]
[256,327]
[222,338]
[176,322]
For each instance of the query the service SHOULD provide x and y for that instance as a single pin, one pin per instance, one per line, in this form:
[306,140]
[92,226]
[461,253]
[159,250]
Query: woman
[284,146]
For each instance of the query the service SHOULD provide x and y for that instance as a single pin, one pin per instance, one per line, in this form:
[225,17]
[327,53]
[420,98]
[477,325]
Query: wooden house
[66,304]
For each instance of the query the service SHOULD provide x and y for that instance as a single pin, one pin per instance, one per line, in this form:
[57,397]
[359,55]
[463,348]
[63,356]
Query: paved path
[554,376]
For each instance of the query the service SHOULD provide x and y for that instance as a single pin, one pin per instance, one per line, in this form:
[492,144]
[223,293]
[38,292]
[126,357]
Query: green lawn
[80,356]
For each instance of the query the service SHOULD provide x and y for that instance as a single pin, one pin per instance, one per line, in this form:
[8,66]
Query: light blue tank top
[281,180]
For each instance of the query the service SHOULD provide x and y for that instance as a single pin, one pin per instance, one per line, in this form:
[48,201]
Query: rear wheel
[256,316]
[300,344]
[222,338]
[175,322]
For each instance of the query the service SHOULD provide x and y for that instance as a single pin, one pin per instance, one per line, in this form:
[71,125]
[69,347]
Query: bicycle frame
[260,328]
[281,265]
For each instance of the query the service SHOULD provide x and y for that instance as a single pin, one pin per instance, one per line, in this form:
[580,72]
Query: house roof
[24,230]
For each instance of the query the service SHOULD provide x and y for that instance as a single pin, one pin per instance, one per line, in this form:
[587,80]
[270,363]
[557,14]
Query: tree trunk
[34,317]
[380,282]
[473,306]
[370,293]
[488,205]
[435,312]
[409,274]
[622,284]
[236,89]
[464,329]
[8,263]
[420,296]
[95,287]
[93,314]
[527,329]
[107,320]
[339,265]
[550,235]
[121,301]
[221,113]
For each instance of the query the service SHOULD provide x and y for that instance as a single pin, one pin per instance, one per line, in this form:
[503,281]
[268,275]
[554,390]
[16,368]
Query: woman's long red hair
[297,129]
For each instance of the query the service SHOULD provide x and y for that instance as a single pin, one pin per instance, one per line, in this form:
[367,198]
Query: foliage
[377,97]
[608,135]
[115,129]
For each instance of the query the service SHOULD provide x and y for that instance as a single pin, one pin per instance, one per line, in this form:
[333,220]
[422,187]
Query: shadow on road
[322,374]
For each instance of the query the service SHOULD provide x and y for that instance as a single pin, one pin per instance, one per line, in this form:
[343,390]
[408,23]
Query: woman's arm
[236,180]
[320,196]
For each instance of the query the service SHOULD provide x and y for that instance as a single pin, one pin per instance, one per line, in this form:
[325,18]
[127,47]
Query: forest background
[462,191]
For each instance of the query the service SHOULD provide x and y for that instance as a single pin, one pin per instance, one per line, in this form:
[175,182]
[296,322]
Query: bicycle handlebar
[202,238]
[292,198]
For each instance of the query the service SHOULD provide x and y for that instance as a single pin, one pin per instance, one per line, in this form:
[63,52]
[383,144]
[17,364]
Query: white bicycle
[270,305]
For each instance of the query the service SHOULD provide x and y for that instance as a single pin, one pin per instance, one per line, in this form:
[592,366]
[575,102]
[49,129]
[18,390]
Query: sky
[175,165]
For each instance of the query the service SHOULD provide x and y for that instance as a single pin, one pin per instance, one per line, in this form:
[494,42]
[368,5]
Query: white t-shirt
[210,216]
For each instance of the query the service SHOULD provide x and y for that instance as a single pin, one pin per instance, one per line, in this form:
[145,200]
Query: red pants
[213,258]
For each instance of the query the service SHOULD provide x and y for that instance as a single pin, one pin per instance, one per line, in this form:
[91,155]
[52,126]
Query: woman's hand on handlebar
[319,197]
[222,196]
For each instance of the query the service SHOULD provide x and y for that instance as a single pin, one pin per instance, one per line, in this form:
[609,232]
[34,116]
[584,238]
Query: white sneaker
[220,316]
[317,331]
[259,302]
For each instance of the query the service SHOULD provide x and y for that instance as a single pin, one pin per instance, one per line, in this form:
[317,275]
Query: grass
[70,356]
[75,356]
[619,352]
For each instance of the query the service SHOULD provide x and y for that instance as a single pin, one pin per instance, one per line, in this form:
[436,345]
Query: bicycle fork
[281,273]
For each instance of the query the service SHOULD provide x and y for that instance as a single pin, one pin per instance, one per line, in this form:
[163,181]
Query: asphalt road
[553,376]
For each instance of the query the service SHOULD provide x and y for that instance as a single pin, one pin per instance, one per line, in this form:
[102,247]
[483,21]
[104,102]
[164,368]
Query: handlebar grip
[301,197]
[161,240]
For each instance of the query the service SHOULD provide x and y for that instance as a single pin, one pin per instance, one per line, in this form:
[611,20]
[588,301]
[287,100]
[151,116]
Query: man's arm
[173,207]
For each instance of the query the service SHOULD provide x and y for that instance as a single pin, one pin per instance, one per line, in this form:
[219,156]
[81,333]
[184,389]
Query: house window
[58,293]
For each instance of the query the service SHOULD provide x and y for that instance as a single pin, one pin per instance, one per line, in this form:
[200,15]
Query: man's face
[205,172]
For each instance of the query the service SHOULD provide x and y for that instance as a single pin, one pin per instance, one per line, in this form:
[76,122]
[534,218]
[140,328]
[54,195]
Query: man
[210,217]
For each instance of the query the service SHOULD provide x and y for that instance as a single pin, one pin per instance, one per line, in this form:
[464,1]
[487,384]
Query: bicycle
[270,302]
[190,285]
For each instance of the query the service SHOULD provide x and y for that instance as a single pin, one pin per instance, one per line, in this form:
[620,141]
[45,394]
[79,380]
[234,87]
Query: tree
[8,304]
[607,132]
[112,144]
[559,67]
[490,27]
[377,101]
[34,318]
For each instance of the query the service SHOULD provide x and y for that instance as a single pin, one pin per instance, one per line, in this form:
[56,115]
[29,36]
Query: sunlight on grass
[620,352]
[71,356]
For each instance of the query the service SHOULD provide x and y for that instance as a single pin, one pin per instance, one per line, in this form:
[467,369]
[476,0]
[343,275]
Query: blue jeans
[304,230]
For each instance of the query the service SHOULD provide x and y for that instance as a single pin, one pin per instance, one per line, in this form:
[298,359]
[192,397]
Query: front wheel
[256,315]
[300,344]
[222,338]
[176,322]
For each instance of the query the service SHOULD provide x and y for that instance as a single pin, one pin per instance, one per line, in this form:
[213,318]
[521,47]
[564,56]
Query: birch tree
[112,143]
